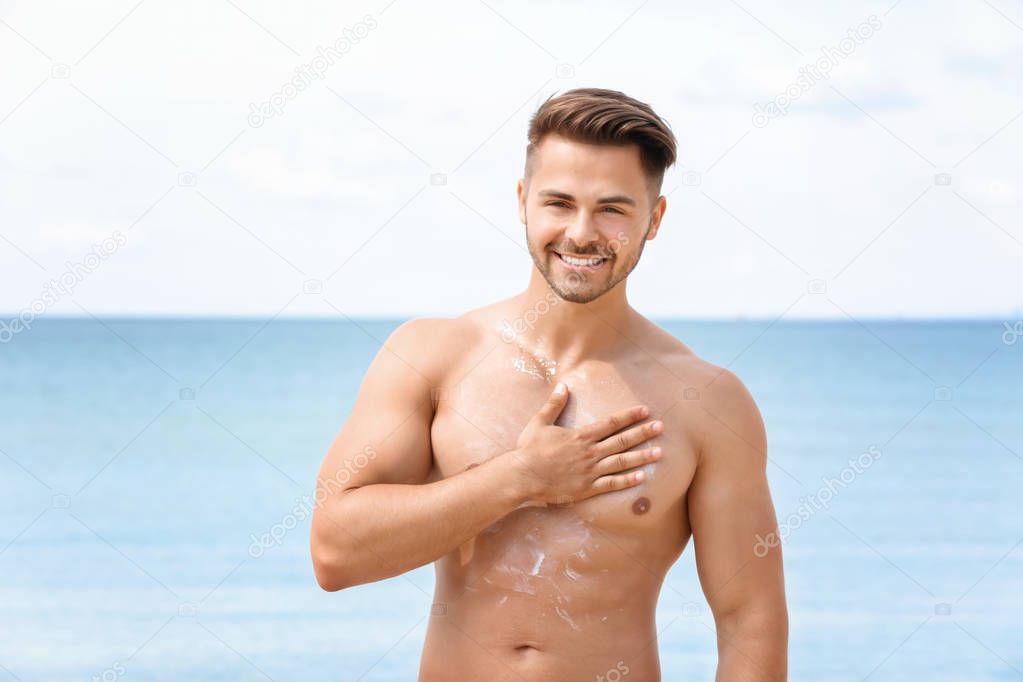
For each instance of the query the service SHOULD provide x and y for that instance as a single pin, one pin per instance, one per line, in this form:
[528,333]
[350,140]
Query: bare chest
[481,415]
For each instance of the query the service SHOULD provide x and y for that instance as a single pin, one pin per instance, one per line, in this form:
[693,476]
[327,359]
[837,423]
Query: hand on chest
[483,415]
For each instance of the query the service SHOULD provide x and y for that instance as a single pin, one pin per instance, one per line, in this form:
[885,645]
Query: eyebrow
[616,199]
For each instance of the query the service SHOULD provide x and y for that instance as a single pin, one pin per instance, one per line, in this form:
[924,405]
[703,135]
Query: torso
[560,593]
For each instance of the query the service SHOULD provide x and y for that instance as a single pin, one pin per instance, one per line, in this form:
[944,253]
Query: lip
[580,268]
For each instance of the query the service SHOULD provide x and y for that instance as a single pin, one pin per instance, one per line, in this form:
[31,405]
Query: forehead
[560,163]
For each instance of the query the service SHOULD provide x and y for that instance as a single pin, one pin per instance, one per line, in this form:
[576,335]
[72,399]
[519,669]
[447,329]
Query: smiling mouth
[581,262]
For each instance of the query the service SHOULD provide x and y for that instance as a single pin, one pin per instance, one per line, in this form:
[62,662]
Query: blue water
[128,504]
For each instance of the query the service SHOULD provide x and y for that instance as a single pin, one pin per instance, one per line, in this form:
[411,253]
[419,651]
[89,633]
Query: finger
[602,428]
[606,484]
[627,460]
[627,439]
[551,409]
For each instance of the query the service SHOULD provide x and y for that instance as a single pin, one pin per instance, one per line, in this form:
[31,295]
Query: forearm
[383,530]
[753,649]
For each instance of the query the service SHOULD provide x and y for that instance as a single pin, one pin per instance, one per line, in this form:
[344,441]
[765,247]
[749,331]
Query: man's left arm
[733,523]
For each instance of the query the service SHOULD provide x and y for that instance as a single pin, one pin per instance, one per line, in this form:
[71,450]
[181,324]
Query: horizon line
[394,317]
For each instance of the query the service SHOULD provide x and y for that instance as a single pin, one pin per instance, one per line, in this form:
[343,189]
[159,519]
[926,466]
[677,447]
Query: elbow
[338,562]
[330,561]
[328,568]
[753,644]
[330,583]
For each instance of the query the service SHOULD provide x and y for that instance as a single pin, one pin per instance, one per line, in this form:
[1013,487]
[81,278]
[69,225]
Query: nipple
[641,505]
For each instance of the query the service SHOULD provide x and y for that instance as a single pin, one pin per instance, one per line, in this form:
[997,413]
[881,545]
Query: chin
[577,296]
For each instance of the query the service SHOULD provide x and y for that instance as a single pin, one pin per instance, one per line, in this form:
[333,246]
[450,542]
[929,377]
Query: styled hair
[599,116]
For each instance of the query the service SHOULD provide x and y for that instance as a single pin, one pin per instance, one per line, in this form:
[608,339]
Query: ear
[655,216]
[520,193]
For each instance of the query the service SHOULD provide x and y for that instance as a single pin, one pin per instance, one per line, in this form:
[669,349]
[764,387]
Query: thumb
[548,414]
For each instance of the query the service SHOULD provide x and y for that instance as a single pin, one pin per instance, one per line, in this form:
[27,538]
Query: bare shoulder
[673,355]
[722,408]
[431,346]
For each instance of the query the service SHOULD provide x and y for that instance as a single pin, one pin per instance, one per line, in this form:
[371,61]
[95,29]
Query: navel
[641,505]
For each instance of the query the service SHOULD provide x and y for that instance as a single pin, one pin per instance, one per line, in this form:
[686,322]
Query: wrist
[522,483]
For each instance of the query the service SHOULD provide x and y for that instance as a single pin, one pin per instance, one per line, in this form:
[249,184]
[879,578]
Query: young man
[554,452]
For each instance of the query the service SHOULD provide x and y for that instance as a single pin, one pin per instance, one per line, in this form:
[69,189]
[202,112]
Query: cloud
[433,87]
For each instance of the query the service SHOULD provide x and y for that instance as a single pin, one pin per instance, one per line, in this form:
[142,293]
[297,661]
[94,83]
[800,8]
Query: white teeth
[581,261]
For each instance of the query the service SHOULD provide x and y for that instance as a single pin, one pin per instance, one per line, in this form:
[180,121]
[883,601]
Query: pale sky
[891,187]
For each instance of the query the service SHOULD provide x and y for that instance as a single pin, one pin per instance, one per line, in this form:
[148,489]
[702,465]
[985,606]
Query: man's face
[589,202]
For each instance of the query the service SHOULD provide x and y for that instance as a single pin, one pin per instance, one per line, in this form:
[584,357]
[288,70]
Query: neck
[568,332]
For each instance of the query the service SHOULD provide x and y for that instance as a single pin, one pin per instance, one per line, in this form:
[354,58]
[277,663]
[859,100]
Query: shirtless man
[554,452]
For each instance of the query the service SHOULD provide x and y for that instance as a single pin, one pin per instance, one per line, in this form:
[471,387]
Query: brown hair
[599,116]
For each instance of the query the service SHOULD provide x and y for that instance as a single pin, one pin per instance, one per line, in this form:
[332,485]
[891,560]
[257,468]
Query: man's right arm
[374,518]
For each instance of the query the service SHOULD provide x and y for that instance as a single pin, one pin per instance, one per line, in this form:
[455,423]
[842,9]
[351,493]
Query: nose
[582,229]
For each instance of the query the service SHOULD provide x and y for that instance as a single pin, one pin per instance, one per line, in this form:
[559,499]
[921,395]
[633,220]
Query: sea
[155,481]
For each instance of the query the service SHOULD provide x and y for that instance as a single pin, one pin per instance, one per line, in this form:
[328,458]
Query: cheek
[542,230]
[626,240]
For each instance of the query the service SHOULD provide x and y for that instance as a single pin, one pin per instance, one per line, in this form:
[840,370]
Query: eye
[612,209]
[559,204]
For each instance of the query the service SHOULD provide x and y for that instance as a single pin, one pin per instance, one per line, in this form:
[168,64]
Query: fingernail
[559,387]
[638,476]
[656,452]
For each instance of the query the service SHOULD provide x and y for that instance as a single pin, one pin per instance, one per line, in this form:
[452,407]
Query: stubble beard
[577,287]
